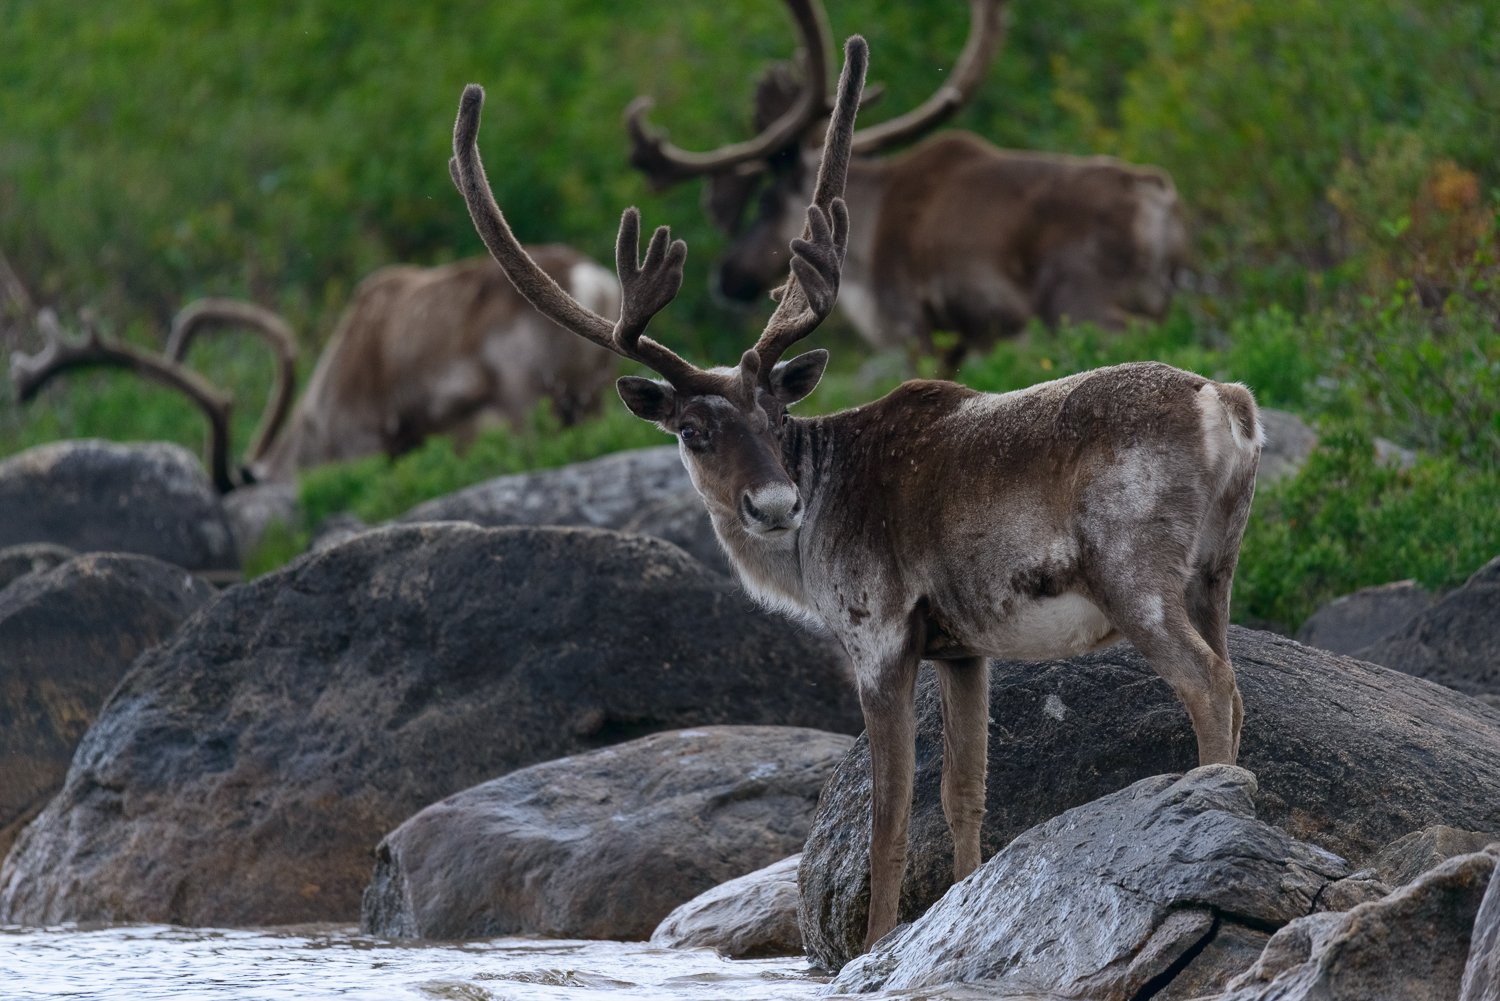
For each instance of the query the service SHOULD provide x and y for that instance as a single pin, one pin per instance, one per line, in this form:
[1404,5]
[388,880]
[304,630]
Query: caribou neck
[773,572]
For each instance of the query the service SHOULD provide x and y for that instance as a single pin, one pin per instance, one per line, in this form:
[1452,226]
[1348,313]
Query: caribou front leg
[887,695]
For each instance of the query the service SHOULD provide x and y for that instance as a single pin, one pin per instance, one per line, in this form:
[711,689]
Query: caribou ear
[793,380]
[648,399]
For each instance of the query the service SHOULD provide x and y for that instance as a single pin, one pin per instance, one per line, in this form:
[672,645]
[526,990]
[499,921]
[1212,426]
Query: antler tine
[817,258]
[215,313]
[31,372]
[986,32]
[647,286]
[665,164]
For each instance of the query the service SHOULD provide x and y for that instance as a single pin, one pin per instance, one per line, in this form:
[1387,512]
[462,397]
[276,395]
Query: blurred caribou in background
[418,352]
[952,235]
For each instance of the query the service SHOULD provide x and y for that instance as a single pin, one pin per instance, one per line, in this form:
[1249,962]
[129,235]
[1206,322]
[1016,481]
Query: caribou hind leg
[964,687]
[1157,622]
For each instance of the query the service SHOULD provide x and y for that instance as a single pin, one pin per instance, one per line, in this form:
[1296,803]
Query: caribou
[938,522]
[955,235]
[417,352]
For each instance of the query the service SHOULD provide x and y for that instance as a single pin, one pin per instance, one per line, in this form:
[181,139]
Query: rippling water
[141,962]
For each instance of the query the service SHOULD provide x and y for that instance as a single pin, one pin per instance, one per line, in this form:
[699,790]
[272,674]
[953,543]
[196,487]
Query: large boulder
[1410,946]
[243,772]
[749,916]
[67,636]
[1351,623]
[1482,972]
[100,496]
[1455,642]
[1111,896]
[604,844]
[644,490]
[1349,756]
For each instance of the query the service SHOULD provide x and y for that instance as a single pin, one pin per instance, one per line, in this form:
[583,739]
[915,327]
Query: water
[142,962]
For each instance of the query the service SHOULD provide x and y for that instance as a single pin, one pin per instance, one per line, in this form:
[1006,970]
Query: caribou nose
[772,508]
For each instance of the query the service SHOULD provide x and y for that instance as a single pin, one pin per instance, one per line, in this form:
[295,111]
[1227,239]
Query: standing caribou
[937,522]
[955,235]
[417,352]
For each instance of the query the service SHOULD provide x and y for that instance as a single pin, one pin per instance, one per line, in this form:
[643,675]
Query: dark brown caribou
[937,522]
[419,351]
[955,235]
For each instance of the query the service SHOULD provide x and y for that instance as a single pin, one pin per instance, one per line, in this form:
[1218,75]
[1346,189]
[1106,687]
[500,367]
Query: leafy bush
[1348,521]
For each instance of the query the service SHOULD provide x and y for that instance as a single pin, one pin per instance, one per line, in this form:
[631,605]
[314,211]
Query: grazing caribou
[417,352]
[937,522]
[955,235]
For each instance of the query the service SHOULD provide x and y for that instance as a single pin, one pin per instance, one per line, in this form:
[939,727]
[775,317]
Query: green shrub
[1347,521]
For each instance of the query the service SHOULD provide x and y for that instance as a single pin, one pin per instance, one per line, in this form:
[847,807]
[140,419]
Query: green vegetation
[1337,158]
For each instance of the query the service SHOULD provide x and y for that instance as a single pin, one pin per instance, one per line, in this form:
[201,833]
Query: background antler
[986,31]
[217,314]
[818,257]
[647,285]
[31,372]
[665,164]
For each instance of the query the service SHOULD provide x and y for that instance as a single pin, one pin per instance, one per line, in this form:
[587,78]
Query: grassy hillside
[1337,158]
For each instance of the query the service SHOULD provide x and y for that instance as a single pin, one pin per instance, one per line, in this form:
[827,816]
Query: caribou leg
[964,687]
[889,704]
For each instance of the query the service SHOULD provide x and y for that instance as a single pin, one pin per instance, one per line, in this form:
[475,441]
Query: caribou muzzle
[771,510]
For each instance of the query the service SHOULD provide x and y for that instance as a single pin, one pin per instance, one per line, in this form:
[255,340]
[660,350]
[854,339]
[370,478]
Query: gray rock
[1409,946]
[1456,642]
[644,490]
[1348,755]
[1404,859]
[243,771]
[1482,972]
[1109,897]
[604,844]
[99,496]
[253,510]
[31,557]
[1353,622]
[67,636]
[752,915]
[1289,441]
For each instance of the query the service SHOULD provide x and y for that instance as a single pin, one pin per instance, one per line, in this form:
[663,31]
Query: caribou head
[729,421]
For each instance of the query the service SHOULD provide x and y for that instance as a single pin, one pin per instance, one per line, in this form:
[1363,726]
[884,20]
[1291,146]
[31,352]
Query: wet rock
[67,636]
[753,915]
[1456,642]
[1410,946]
[604,844]
[1109,897]
[1353,622]
[1482,972]
[99,496]
[642,490]
[1348,756]
[242,773]
[31,557]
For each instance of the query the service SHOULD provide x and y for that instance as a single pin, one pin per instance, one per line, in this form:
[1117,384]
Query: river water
[145,962]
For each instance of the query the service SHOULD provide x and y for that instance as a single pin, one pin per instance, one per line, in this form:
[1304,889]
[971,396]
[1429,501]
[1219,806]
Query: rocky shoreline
[540,706]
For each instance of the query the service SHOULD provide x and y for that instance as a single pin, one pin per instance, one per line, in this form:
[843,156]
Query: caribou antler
[665,164]
[986,31]
[215,314]
[647,286]
[31,372]
[818,257]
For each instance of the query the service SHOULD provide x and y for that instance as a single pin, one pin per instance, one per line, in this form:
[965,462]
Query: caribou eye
[687,434]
